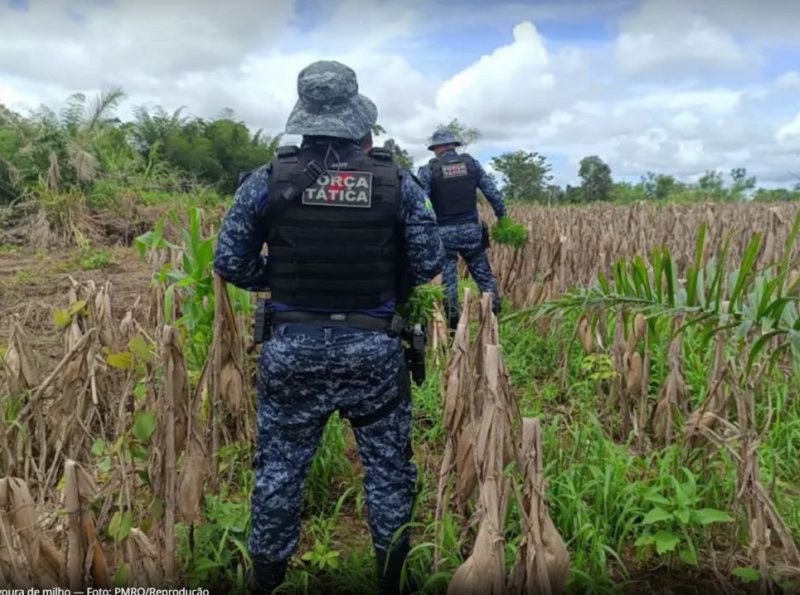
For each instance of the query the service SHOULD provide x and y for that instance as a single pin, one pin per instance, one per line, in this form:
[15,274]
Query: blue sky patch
[21,5]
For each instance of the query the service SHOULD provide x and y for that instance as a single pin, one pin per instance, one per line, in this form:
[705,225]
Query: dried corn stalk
[458,387]
[176,383]
[83,550]
[764,520]
[551,265]
[585,333]
[78,325]
[484,570]
[629,364]
[146,561]
[192,477]
[439,335]
[18,533]
[542,567]
[20,361]
[708,416]
[100,315]
[673,393]
[225,368]
[173,426]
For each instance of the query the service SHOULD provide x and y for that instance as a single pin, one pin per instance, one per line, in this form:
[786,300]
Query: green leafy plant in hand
[507,231]
[419,308]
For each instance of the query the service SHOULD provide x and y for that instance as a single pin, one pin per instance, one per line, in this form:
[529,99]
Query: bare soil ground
[34,283]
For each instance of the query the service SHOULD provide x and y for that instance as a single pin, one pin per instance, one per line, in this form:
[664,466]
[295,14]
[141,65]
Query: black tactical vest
[453,186]
[337,246]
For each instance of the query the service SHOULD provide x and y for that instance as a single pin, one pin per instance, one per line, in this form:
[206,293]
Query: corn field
[569,246]
[629,422]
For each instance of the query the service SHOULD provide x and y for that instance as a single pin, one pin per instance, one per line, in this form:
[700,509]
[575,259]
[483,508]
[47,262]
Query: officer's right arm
[425,175]
[423,246]
[490,191]
[238,257]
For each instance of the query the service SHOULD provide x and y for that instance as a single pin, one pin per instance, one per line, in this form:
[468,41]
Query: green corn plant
[190,284]
[215,553]
[757,307]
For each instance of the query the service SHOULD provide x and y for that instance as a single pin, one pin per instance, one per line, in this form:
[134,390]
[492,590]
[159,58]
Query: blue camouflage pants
[465,239]
[306,373]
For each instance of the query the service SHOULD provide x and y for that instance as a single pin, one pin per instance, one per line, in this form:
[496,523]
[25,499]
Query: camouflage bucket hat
[329,103]
[443,137]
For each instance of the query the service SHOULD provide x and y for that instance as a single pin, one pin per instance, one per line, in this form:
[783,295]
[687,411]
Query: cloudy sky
[672,86]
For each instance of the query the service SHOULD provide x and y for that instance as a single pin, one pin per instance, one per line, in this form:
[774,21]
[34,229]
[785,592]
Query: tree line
[526,176]
[85,147]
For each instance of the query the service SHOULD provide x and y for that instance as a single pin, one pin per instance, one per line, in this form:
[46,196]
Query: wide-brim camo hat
[329,103]
[443,137]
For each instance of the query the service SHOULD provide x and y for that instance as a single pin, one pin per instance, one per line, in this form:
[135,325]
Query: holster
[262,323]
[415,341]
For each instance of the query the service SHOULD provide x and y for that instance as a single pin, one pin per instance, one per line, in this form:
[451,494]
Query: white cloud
[672,39]
[643,101]
[789,80]
[141,43]
[685,122]
[767,22]
[505,84]
[790,131]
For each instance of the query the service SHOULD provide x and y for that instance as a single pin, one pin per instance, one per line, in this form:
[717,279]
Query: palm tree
[58,148]
[150,131]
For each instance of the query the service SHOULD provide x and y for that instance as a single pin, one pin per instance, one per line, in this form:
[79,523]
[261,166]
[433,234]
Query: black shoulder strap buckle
[302,180]
[417,181]
[287,152]
[380,154]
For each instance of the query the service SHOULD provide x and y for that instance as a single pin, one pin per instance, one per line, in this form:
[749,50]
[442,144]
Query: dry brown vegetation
[110,439]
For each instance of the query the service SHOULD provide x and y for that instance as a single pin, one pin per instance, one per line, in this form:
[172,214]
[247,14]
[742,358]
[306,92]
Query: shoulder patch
[457,169]
[340,189]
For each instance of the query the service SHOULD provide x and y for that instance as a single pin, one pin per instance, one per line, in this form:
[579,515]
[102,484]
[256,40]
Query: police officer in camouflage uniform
[342,226]
[452,179]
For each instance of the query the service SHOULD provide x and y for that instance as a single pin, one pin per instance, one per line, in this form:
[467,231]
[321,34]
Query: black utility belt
[461,222]
[355,320]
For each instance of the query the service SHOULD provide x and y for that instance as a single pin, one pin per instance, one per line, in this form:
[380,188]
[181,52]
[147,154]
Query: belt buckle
[338,317]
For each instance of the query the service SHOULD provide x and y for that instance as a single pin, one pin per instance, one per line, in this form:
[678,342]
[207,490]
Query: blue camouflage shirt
[238,258]
[485,183]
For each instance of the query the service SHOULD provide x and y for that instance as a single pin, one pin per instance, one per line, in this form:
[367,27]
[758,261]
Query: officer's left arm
[490,191]
[238,257]
[423,246]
